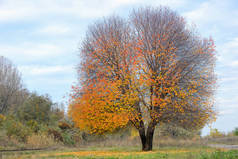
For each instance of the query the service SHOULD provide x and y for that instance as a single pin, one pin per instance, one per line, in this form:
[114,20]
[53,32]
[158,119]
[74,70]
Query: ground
[127,153]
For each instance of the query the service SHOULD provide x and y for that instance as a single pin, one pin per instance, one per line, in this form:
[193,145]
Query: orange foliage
[99,109]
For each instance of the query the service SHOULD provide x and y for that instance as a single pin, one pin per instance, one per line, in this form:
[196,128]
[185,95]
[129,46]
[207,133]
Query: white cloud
[54,30]
[11,10]
[228,52]
[214,12]
[226,112]
[229,79]
[35,70]
[99,8]
[29,51]
[203,13]
[15,10]
[232,44]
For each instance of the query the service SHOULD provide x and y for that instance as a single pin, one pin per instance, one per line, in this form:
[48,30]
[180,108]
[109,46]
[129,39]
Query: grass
[164,148]
[127,153]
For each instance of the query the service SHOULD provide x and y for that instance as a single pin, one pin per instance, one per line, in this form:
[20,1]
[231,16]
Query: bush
[64,126]
[2,119]
[68,138]
[17,130]
[33,125]
[235,132]
[55,134]
[215,133]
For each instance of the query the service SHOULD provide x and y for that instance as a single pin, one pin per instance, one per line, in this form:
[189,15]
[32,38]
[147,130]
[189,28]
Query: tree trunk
[143,138]
[147,140]
[149,137]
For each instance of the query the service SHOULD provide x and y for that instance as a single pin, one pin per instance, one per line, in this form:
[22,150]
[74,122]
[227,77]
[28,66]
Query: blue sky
[42,38]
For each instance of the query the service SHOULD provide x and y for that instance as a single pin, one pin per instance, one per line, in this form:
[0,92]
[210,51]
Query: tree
[36,108]
[148,70]
[11,91]
[40,109]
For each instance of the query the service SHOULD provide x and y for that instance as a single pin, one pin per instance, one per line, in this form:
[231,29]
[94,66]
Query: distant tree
[40,109]
[11,90]
[36,108]
[148,70]
[57,113]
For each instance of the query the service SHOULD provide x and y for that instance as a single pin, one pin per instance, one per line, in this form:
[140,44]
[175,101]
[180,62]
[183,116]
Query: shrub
[55,134]
[215,133]
[2,119]
[235,132]
[17,130]
[33,125]
[68,138]
[64,126]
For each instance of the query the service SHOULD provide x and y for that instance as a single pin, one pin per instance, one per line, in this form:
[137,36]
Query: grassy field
[127,153]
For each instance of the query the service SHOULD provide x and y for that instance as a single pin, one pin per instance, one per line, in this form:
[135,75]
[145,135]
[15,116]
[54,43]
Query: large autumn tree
[147,70]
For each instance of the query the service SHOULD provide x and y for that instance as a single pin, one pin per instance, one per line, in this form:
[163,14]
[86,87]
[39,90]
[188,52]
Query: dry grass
[112,142]
[178,142]
[40,141]
[229,140]
[159,142]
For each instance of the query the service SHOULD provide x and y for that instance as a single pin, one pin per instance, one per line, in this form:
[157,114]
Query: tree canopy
[149,69]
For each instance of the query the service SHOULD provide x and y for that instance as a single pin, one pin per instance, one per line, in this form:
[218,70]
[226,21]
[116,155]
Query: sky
[42,38]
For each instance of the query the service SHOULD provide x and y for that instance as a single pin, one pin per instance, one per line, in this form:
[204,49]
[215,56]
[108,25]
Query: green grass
[130,153]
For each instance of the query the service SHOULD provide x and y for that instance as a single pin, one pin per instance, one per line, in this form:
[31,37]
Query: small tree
[148,70]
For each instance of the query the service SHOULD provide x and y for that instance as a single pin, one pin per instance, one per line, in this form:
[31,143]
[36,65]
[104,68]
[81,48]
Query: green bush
[235,132]
[33,125]
[56,134]
[16,129]
[215,133]
[2,119]
[68,138]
